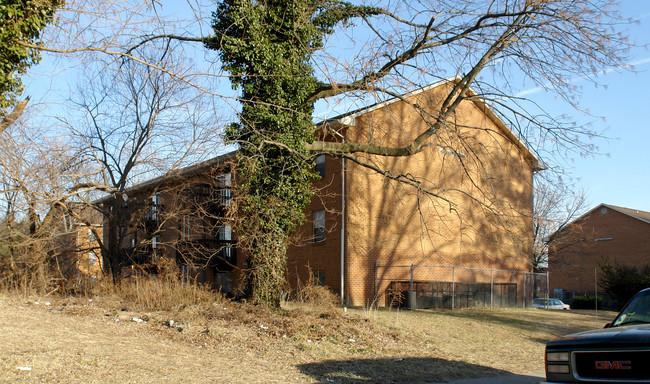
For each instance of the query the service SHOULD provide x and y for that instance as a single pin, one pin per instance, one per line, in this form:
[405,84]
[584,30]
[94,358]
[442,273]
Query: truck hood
[629,336]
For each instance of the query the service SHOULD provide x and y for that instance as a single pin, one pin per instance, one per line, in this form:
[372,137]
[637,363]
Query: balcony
[201,192]
[220,201]
[151,218]
[214,200]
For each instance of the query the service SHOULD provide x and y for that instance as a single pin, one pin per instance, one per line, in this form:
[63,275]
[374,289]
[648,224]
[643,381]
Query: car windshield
[637,311]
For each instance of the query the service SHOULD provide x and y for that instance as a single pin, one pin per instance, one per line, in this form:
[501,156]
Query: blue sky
[620,174]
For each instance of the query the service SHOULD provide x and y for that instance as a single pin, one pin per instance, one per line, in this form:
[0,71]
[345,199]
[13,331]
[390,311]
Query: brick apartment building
[481,216]
[181,216]
[606,233]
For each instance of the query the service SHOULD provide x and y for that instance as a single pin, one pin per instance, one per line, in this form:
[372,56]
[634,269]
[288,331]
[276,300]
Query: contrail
[578,78]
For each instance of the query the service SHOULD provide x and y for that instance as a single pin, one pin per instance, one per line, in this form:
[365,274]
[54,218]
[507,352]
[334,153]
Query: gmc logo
[607,365]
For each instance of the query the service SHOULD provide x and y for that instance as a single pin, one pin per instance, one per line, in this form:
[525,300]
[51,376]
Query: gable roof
[642,216]
[634,213]
[348,118]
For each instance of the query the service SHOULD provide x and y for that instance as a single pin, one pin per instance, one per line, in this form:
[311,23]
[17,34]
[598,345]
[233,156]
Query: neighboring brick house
[482,217]
[606,233]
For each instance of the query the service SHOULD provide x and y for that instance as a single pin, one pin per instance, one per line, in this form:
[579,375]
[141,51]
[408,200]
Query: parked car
[620,353]
[550,304]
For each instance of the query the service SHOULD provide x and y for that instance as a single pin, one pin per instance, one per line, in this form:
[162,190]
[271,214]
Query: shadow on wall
[397,370]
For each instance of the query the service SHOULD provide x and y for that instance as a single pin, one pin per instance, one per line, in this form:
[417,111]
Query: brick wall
[306,257]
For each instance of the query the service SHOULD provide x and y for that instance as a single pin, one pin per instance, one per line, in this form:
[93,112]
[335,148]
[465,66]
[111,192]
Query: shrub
[162,292]
[586,302]
[621,282]
[314,294]
[27,263]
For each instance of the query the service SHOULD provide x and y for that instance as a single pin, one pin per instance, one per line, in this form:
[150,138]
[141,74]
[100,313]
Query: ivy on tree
[266,46]
[20,20]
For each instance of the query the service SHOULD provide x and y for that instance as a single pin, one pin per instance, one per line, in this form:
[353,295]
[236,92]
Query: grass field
[103,340]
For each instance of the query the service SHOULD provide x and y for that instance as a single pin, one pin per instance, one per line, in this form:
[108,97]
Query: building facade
[472,206]
[75,251]
[181,217]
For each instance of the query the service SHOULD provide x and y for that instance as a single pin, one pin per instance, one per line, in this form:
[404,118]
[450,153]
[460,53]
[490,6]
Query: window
[319,278]
[319,227]
[225,180]
[92,258]
[155,242]
[153,213]
[91,236]
[225,233]
[187,221]
[223,196]
[319,168]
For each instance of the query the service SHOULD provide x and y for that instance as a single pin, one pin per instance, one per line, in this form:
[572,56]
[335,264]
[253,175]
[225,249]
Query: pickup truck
[619,353]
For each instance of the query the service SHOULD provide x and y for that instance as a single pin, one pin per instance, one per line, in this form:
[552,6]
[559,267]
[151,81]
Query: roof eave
[175,175]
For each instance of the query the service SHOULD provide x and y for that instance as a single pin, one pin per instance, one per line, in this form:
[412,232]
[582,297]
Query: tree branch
[14,115]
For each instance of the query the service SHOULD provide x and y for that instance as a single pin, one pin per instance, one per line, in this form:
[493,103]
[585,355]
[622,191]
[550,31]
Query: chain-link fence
[427,286]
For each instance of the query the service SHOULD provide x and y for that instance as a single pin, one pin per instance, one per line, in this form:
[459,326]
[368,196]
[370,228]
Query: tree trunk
[111,252]
[269,260]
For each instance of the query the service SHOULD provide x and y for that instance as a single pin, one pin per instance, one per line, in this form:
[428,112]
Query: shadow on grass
[557,327]
[398,370]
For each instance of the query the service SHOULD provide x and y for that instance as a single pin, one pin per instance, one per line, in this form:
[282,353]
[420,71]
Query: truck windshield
[637,311]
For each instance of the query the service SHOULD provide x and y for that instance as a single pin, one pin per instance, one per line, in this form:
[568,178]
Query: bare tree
[138,123]
[136,117]
[35,174]
[278,57]
[555,206]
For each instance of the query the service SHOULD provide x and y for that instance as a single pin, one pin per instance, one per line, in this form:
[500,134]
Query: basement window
[223,281]
[319,278]
[319,227]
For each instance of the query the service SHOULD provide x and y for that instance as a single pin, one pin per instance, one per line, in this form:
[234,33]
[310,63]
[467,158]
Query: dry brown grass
[214,340]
